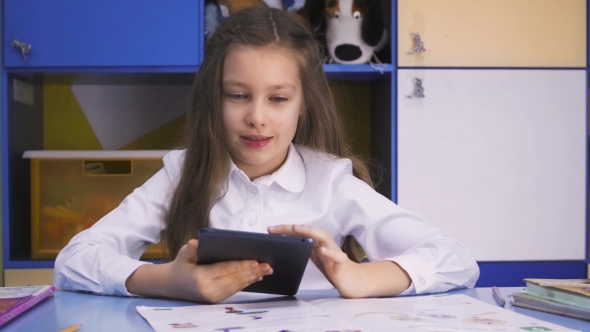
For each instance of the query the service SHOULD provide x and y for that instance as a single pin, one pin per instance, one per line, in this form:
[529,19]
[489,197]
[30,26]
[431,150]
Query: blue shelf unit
[162,42]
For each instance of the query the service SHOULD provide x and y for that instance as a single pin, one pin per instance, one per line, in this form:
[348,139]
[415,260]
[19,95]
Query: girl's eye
[357,15]
[237,95]
[278,99]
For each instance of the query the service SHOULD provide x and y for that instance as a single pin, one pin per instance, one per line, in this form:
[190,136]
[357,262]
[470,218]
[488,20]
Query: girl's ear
[373,22]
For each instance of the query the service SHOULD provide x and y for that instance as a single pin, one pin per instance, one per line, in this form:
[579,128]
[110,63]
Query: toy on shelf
[354,31]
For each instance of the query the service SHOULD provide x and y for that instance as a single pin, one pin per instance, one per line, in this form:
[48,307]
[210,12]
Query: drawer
[493,33]
[103,33]
[72,190]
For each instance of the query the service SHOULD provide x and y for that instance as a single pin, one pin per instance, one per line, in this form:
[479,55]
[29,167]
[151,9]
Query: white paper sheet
[120,114]
[431,313]
[280,316]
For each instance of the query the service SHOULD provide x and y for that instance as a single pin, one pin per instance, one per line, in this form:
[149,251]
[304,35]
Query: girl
[265,152]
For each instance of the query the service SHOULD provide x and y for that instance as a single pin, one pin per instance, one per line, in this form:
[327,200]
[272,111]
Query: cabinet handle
[418,44]
[418,89]
[24,47]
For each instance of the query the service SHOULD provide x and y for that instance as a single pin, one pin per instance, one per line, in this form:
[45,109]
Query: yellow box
[71,190]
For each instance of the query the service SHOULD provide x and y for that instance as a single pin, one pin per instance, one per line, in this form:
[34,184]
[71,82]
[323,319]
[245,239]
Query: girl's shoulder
[173,162]
[319,162]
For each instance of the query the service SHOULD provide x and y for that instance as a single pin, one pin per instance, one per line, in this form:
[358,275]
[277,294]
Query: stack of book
[15,300]
[566,297]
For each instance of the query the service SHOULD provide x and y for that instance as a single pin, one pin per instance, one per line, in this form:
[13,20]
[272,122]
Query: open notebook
[416,314]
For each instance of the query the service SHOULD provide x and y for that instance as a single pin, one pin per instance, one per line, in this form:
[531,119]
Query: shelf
[353,73]
[28,264]
[105,70]
[357,73]
[45,264]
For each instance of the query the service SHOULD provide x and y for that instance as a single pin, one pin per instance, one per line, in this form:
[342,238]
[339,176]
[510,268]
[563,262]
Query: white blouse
[310,188]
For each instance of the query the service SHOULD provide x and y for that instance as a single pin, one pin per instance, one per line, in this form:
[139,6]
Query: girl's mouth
[256,141]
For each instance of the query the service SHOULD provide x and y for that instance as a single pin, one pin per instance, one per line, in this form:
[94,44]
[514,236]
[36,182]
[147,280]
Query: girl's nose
[256,116]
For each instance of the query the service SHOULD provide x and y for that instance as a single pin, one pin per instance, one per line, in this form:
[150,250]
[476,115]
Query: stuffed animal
[354,29]
[218,10]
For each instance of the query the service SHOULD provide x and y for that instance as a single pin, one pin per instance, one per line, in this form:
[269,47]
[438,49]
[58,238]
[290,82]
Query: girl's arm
[388,233]
[184,279]
[407,254]
[104,259]
[353,280]
[100,259]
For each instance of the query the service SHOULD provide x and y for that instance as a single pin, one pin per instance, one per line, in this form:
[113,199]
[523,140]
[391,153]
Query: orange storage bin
[71,190]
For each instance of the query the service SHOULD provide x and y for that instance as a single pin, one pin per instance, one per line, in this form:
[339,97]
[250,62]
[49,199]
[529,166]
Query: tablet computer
[287,255]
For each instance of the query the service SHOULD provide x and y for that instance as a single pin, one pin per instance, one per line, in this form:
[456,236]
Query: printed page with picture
[431,313]
[279,316]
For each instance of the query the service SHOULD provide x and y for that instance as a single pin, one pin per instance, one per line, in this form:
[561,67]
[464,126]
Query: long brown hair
[207,161]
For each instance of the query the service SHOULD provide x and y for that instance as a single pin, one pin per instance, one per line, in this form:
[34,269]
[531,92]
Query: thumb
[188,252]
[330,257]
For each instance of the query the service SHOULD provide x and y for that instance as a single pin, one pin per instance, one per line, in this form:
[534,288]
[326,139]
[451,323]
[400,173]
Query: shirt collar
[290,176]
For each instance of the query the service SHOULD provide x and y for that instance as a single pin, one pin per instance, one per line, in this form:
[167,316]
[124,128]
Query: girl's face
[261,103]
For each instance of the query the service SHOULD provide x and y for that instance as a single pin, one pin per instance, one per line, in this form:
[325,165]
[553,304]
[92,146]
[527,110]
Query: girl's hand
[184,279]
[343,273]
[352,280]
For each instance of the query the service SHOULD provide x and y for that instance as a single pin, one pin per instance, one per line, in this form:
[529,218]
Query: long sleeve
[101,258]
[434,262]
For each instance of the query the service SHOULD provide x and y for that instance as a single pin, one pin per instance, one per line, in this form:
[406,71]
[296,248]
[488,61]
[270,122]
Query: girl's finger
[321,237]
[235,282]
[224,268]
[330,256]
[188,252]
[281,229]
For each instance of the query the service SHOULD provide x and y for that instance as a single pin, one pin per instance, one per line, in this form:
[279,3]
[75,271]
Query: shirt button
[250,222]
[254,190]
[422,281]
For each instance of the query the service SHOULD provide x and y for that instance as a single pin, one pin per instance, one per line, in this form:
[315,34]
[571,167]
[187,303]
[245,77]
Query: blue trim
[4,160]
[104,70]
[493,68]
[29,264]
[394,61]
[338,68]
[511,274]
[394,137]
[45,264]
[587,254]
[329,68]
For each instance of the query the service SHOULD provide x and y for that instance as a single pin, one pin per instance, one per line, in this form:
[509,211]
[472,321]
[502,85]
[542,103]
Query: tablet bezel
[287,255]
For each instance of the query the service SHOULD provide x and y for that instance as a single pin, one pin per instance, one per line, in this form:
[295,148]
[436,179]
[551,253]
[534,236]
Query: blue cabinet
[70,33]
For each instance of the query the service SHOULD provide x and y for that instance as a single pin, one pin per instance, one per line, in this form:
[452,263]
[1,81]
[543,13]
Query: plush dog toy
[354,29]
[218,10]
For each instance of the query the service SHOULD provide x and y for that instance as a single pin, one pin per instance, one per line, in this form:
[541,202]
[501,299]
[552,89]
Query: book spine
[26,305]
[555,312]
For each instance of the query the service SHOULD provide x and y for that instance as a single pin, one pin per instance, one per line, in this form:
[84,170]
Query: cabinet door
[496,33]
[103,33]
[497,159]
